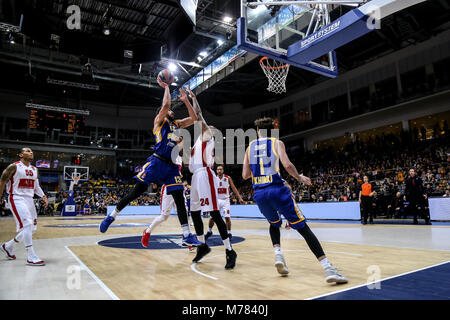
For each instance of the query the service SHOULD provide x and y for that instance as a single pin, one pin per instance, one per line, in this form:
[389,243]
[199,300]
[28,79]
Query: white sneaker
[332,275]
[35,261]
[8,252]
[281,266]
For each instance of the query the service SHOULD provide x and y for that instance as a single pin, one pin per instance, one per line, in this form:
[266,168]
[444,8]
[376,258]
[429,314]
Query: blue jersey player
[161,167]
[274,198]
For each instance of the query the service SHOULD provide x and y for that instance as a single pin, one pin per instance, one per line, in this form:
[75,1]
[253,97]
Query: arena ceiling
[144,26]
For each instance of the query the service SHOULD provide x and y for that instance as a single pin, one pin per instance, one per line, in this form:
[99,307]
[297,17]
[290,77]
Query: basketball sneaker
[145,238]
[9,252]
[202,250]
[332,275]
[208,234]
[35,261]
[281,266]
[191,240]
[106,223]
[231,259]
[191,249]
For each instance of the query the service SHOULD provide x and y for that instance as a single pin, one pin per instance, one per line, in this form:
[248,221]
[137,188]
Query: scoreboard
[47,120]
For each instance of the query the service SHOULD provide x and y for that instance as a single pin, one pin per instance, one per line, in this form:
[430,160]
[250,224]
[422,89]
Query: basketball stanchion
[276,72]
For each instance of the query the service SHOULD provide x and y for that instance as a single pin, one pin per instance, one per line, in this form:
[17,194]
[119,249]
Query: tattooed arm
[197,109]
[6,176]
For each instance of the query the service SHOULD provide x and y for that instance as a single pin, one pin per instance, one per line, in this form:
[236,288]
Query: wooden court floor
[123,273]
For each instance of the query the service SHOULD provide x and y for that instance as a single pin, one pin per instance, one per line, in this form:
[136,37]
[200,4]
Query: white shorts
[167,202]
[24,211]
[203,191]
[224,208]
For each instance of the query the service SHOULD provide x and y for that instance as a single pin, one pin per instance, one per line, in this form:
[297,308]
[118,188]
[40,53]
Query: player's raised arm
[288,165]
[236,191]
[6,176]
[186,122]
[197,109]
[246,171]
[165,105]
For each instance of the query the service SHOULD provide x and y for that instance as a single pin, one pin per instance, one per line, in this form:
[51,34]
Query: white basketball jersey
[223,187]
[202,155]
[23,182]
[179,163]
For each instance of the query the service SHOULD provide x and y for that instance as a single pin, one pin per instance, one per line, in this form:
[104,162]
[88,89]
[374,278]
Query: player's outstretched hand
[191,94]
[183,96]
[305,180]
[162,83]
[241,201]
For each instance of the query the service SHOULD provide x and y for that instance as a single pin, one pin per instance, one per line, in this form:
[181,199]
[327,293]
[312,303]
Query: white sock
[186,231]
[229,231]
[201,238]
[210,230]
[227,244]
[31,253]
[114,213]
[277,250]
[325,263]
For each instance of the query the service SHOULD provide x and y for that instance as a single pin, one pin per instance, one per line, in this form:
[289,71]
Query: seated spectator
[447,193]
[437,192]
[396,209]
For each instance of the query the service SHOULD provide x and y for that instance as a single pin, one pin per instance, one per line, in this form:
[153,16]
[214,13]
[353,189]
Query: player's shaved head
[24,149]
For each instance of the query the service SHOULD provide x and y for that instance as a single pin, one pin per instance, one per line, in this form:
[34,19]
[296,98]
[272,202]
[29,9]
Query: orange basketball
[166,76]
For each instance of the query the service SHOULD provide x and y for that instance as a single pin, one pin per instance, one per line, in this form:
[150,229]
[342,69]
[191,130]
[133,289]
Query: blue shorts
[276,200]
[160,172]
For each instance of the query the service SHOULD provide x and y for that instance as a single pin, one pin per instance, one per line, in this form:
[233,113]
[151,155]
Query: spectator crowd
[336,174]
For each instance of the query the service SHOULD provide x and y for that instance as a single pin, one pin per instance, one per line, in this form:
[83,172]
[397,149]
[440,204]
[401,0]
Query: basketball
[166,76]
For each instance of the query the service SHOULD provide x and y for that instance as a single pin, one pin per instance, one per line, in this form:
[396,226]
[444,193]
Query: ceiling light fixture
[172,67]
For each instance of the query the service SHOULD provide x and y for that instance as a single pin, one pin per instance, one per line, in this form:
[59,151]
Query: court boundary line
[193,265]
[378,281]
[92,274]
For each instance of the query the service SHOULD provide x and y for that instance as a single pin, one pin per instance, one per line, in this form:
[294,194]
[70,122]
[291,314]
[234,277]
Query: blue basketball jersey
[264,163]
[166,138]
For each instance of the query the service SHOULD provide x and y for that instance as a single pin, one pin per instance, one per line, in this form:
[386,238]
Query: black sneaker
[207,235]
[202,250]
[231,259]
[230,236]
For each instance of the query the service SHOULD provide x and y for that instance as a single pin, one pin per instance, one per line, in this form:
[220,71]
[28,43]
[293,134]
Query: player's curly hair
[264,123]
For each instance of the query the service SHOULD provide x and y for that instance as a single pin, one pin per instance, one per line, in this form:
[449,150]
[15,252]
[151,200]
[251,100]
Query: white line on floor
[193,266]
[100,282]
[371,283]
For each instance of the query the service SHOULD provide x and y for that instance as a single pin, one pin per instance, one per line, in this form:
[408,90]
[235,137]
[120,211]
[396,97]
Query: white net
[276,73]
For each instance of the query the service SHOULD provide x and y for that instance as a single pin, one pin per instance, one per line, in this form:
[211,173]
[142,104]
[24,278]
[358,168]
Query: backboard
[301,33]
[70,172]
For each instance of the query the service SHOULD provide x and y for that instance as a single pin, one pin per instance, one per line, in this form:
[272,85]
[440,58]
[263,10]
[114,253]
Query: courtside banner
[439,208]
[324,210]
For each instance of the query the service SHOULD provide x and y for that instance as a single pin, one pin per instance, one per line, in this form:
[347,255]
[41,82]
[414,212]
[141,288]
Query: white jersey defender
[21,189]
[223,194]
[204,180]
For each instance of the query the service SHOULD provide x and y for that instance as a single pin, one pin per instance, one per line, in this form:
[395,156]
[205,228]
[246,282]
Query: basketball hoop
[276,72]
[74,182]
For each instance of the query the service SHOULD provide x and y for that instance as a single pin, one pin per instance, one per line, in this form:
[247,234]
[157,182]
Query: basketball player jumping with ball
[160,167]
